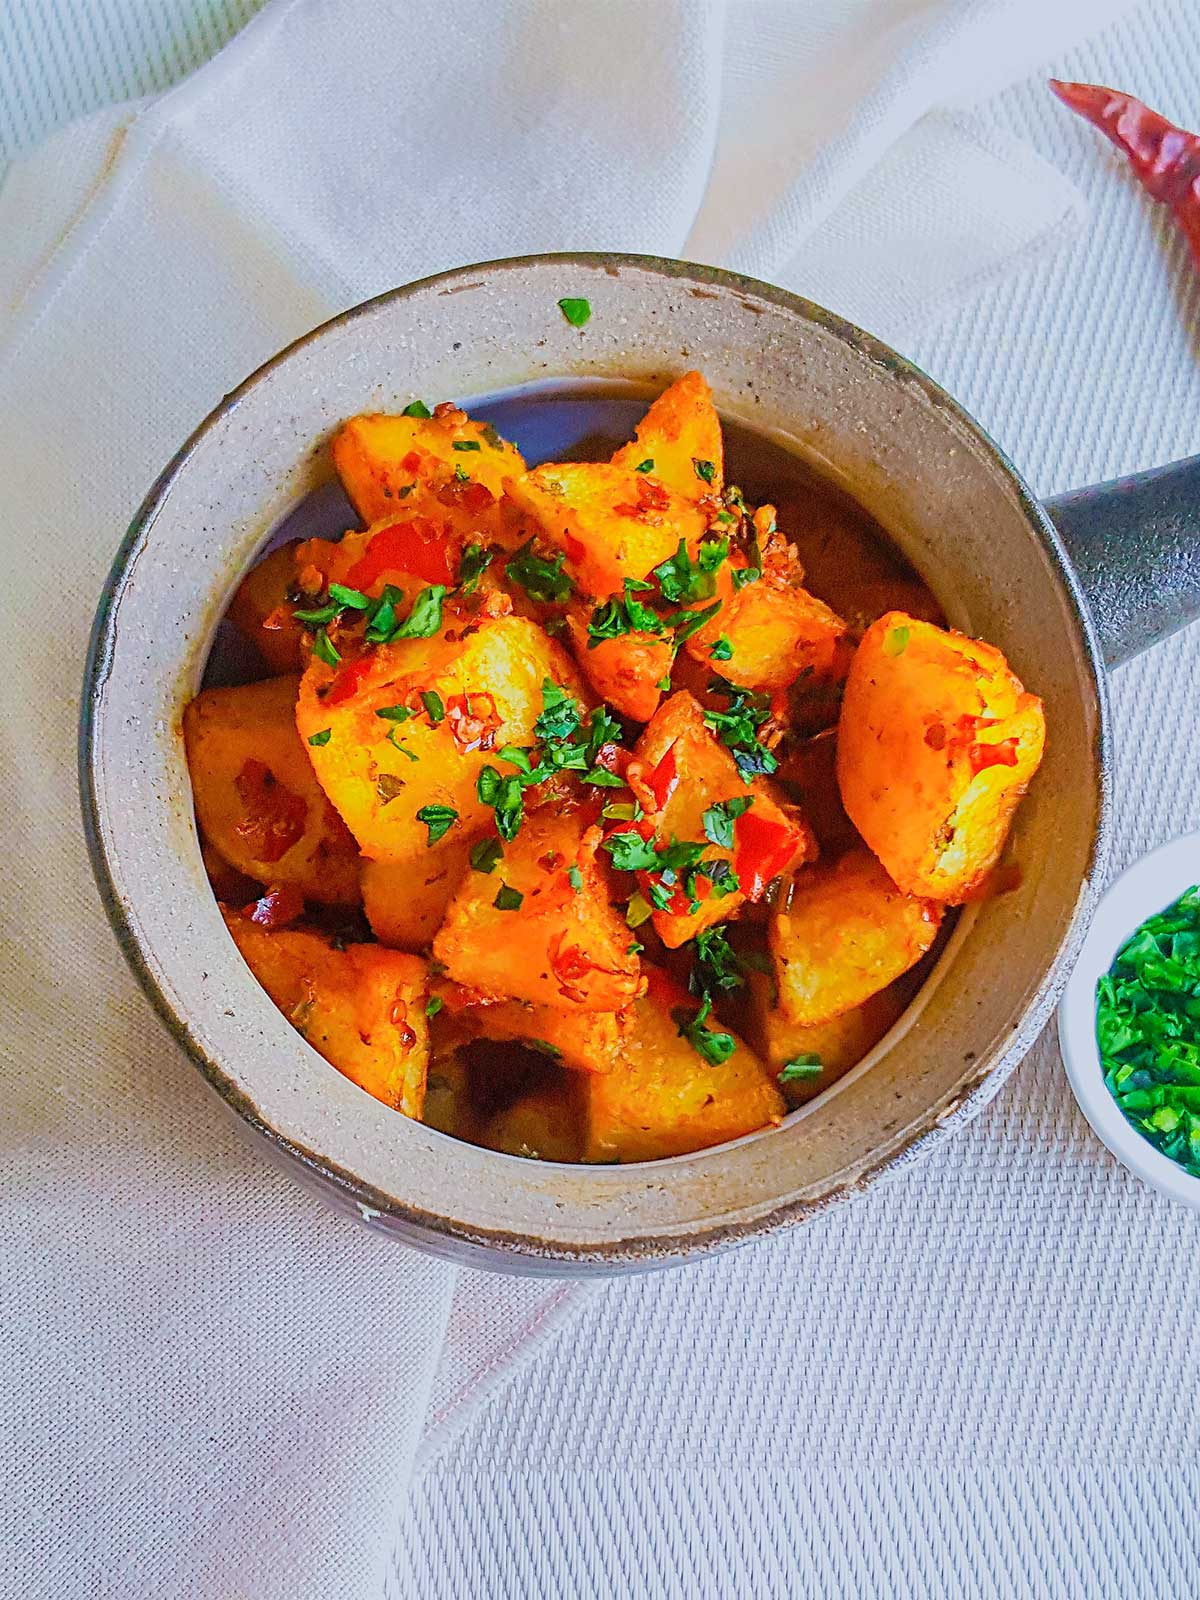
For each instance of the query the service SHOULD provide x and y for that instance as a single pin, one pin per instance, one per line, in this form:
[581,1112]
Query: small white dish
[1148,886]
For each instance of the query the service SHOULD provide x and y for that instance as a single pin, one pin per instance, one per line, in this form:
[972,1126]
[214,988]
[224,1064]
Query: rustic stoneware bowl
[861,416]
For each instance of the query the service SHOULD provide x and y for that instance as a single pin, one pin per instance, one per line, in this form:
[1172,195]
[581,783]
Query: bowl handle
[1135,543]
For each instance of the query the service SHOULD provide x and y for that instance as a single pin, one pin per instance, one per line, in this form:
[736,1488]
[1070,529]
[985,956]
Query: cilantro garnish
[541,579]
[382,619]
[737,727]
[508,899]
[461,475]
[425,618]
[433,1005]
[321,738]
[577,312]
[506,799]
[493,438]
[466,444]
[619,616]
[575,878]
[686,623]
[393,713]
[717,964]
[316,617]
[704,469]
[486,854]
[800,1069]
[559,717]
[325,649]
[714,1047]
[475,562]
[432,701]
[683,580]
[719,819]
[438,819]
[721,649]
[351,599]
[630,852]
[418,408]
[645,466]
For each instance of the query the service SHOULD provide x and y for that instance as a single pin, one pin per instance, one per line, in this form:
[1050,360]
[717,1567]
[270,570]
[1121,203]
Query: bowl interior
[786,372]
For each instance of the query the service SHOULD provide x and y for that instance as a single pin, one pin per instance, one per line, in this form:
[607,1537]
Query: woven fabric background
[977,1381]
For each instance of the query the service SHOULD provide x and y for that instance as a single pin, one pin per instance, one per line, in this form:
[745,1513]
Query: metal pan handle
[1135,543]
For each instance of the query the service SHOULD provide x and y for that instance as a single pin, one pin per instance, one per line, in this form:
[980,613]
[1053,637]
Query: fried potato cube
[262,612]
[362,1007]
[693,773]
[937,743]
[663,1098]
[406,901]
[390,464]
[386,758]
[625,672]
[847,933]
[836,1045]
[612,523]
[776,631]
[545,1124]
[257,801]
[681,435]
[587,1041]
[526,932]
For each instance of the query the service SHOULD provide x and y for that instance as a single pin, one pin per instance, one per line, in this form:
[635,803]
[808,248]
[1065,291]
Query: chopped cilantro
[683,580]
[717,965]
[577,312]
[321,738]
[645,466]
[382,618]
[432,701]
[418,408]
[475,562]
[425,618]
[800,1069]
[493,438]
[461,475]
[505,798]
[433,1005]
[719,819]
[721,650]
[619,616]
[325,649]
[713,1046]
[486,854]
[393,713]
[403,748]
[742,576]
[559,717]
[737,727]
[541,579]
[686,623]
[664,684]
[630,852]
[508,899]
[466,444]
[316,617]
[352,599]
[622,811]
[438,819]
[575,878]
[704,469]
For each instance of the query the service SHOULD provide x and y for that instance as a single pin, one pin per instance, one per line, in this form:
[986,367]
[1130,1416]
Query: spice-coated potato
[406,901]
[262,612]
[362,1007]
[847,933]
[626,671]
[838,1044]
[588,1041]
[693,771]
[256,798]
[380,772]
[937,742]
[612,524]
[393,464]
[664,1099]
[558,944]
[776,630]
[542,1125]
[680,430]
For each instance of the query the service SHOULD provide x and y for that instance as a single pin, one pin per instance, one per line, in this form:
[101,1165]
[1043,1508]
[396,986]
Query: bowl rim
[1146,886]
[432,1229]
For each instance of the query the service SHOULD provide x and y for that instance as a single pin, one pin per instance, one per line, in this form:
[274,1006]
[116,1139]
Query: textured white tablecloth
[981,1379]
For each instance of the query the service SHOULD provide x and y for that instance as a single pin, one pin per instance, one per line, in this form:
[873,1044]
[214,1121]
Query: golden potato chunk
[611,523]
[544,1124]
[822,1052]
[423,465]
[691,773]
[625,672]
[362,1007]
[775,631]
[406,901]
[847,933]
[937,742]
[526,931]
[663,1098]
[681,436]
[588,1041]
[388,755]
[262,612]
[257,801]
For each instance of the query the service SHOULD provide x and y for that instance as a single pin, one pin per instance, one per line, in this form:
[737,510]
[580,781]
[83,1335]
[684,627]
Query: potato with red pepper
[361,1006]
[678,442]
[937,743]
[256,798]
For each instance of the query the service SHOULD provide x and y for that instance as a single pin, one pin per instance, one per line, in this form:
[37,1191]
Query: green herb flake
[575,878]
[439,820]
[718,966]
[719,819]
[425,618]
[896,641]
[433,1005]
[721,650]
[466,444]
[475,562]
[432,701]
[713,1046]
[800,1069]
[637,911]
[704,469]
[577,312]
[508,899]
[317,616]
[403,748]
[393,713]
[494,441]
[645,466]
[664,684]
[486,854]
[542,580]
[629,852]
[321,738]
[351,599]
[686,623]
[418,408]
[325,649]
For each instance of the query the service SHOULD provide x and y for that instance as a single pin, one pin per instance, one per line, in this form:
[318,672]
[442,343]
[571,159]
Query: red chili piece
[762,849]
[349,679]
[474,720]
[419,546]
[1003,754]
[274,817]
[1165,158]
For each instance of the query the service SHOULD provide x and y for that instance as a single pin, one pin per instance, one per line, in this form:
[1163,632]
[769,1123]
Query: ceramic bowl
[859,415]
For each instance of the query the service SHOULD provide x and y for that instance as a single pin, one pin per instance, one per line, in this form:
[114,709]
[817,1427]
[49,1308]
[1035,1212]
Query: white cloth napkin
[210,1386]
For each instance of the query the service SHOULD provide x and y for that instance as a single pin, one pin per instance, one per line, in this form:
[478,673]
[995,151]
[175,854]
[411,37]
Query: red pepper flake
[466,494]
[1002,754]
[276,908]
[349,680]
[419,546]
[652,497]
[664,780]
[1165,158]
[474,720]
[762,849]
[411,463]
[274,817]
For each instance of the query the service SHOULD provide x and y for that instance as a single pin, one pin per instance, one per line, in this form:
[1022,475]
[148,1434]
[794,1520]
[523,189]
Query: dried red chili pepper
[419,546]
[1165,158]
